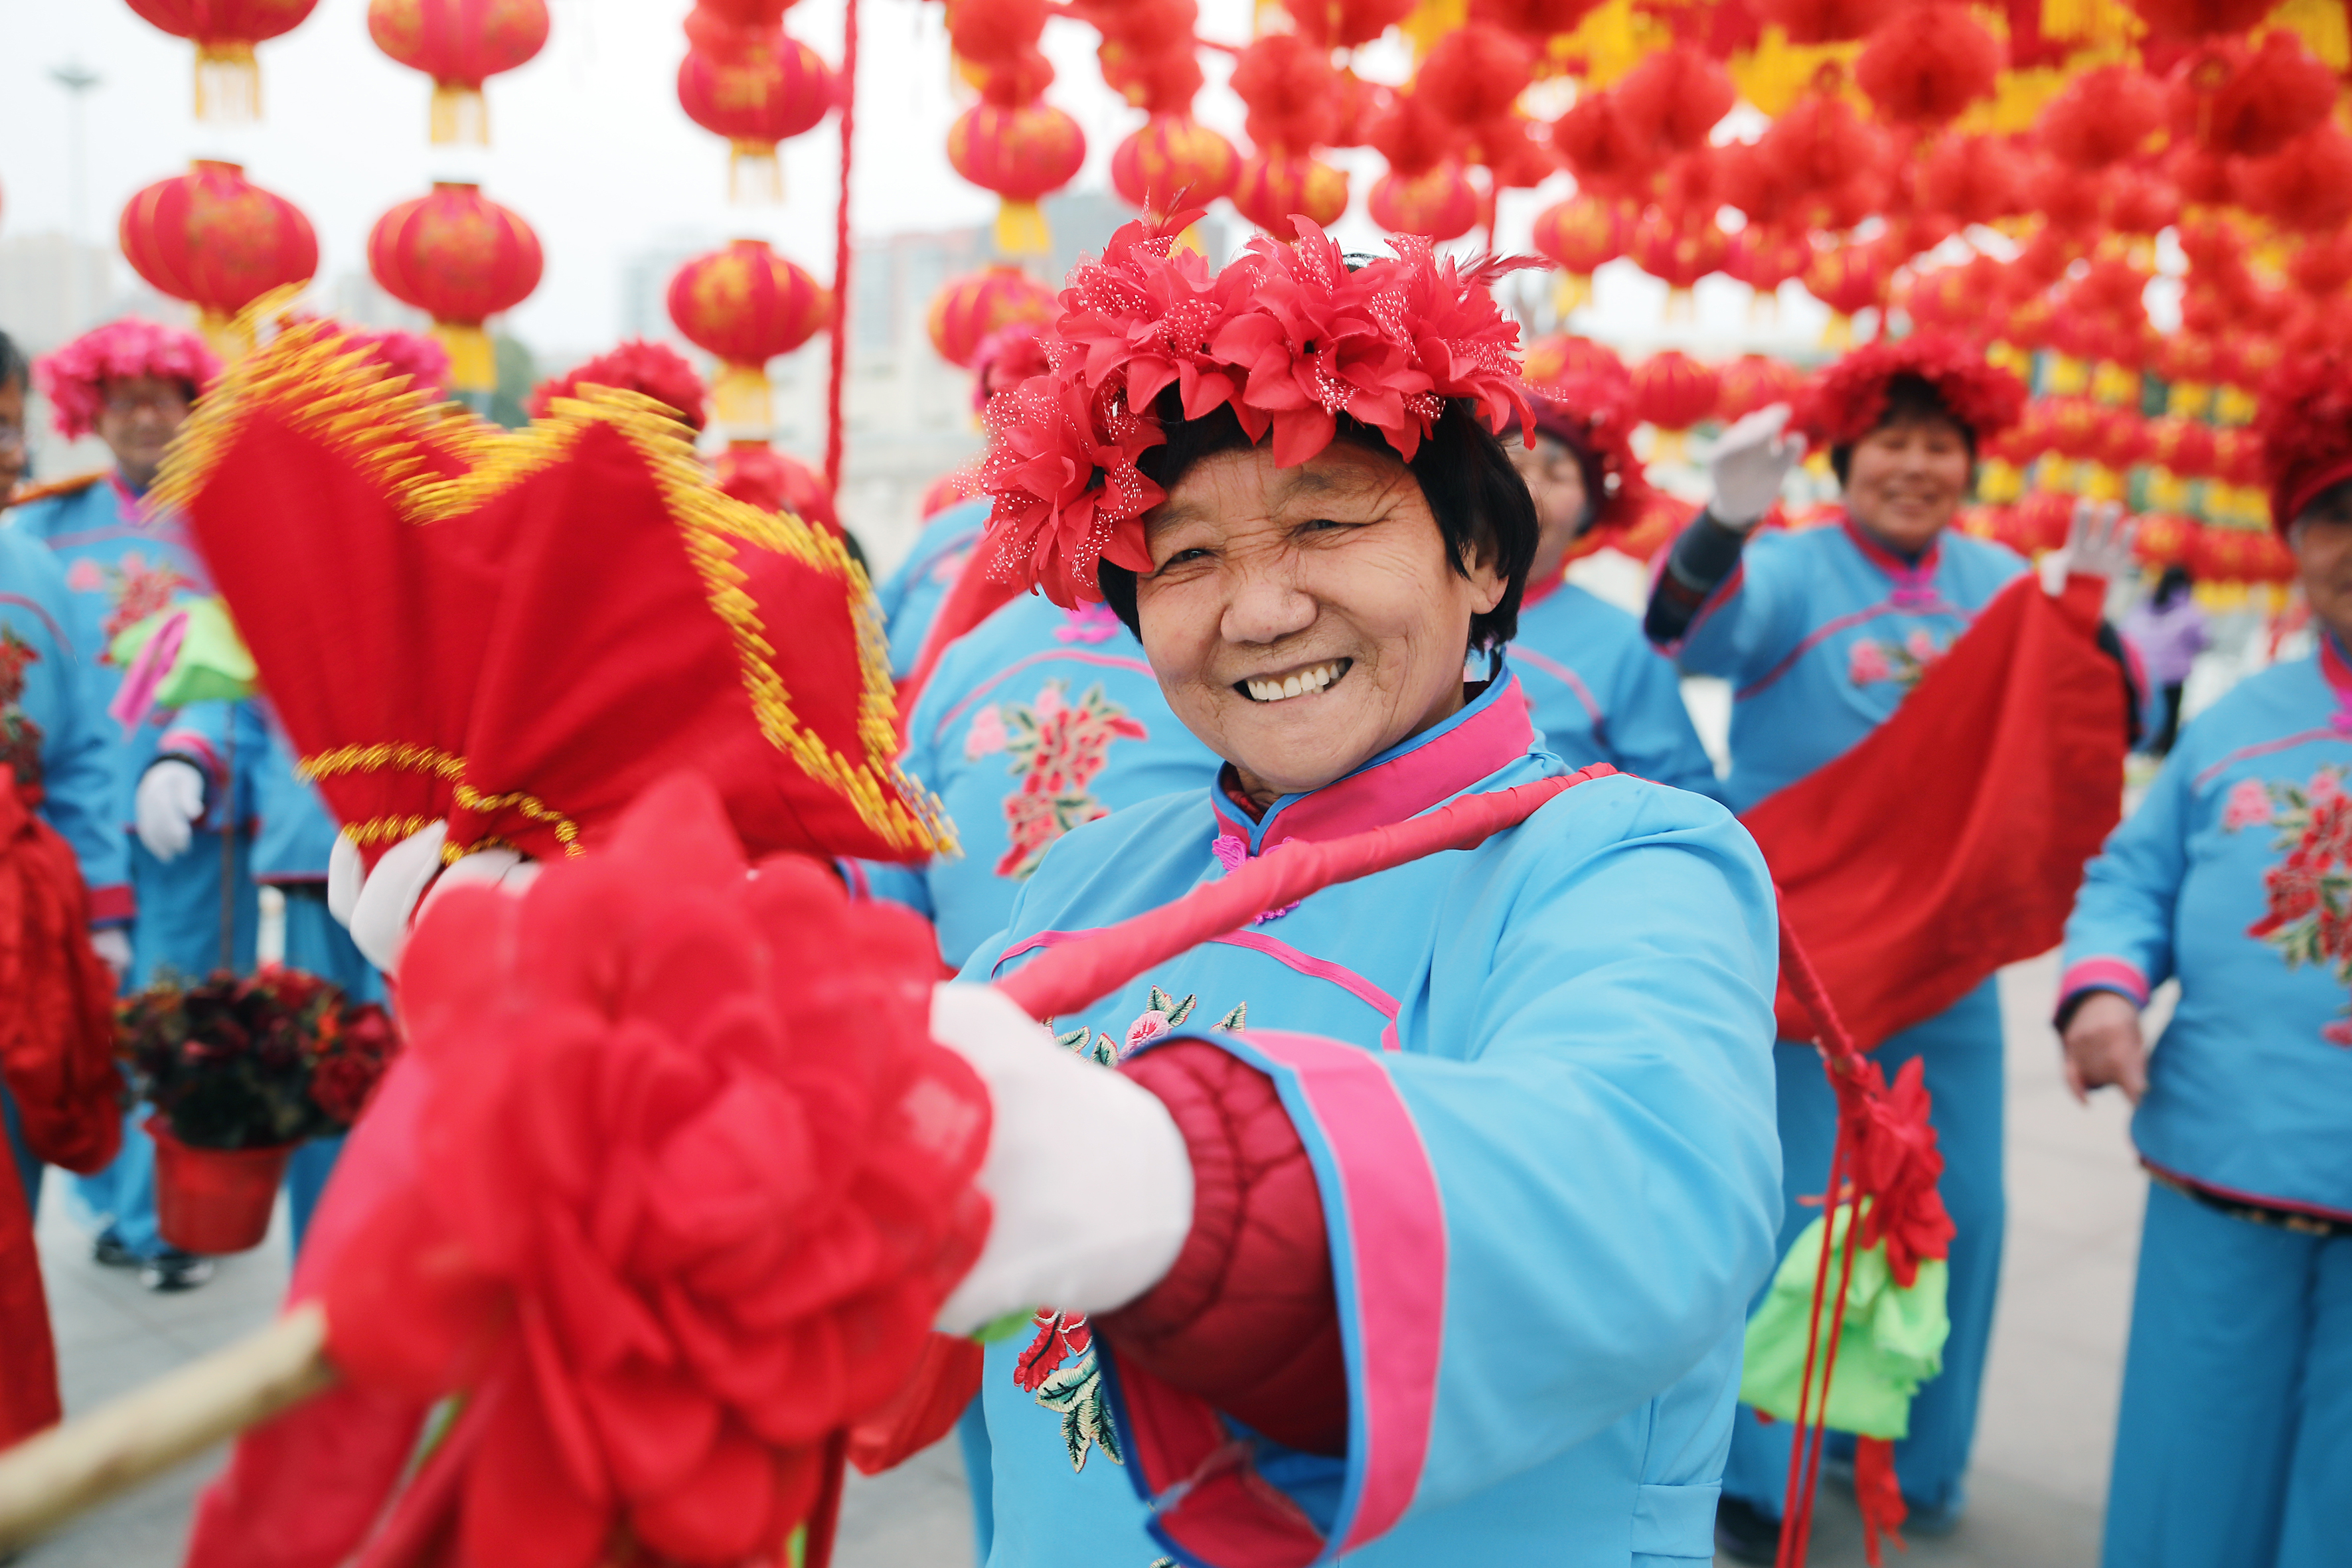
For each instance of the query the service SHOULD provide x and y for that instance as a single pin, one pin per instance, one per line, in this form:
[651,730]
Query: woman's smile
[1280,686]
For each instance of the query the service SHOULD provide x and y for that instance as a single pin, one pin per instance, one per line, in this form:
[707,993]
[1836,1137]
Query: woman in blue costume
[1598,691]
[911,594]
[1433,1240]
[1037,721]
[132,383]
[2233,1447]
[1822,634]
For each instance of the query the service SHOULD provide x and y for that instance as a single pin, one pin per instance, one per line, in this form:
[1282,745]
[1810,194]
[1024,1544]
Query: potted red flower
[240,1071]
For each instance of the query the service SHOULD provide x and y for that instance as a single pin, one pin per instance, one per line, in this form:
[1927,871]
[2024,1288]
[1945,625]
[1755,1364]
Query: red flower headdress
[1845,402]
[660,372]
[1592,416]
[1287,337]
[74,378]
[2304,423]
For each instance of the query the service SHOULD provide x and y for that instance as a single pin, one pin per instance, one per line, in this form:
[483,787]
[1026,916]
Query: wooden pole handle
[67,1470]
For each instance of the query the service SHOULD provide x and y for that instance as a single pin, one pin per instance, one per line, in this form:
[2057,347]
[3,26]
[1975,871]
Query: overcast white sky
[589,144]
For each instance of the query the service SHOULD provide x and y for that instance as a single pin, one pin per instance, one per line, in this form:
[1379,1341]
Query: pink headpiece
[1287,336]
[74,378]
[420,359]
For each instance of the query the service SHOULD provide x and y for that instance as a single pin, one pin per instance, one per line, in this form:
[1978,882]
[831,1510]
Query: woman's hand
[1746,468]
[380,905]
[2098,544]
[2104,1047]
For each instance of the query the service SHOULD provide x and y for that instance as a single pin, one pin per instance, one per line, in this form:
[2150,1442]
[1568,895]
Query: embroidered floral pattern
[1233,853]
[133,586]
[1073,1389]
[1091,623]
[20,738]
[1058,749]
[1869,662]
[2309,914]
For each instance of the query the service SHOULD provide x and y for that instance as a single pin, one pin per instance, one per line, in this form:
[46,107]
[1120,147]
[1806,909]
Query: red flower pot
[213,1201]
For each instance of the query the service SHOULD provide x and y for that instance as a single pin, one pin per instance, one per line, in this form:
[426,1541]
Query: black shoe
[109,1252]
[1742,1533]
[172,1270]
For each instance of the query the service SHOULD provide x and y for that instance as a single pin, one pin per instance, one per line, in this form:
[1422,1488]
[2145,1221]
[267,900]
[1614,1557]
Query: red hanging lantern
[746,305]
[229,81]
[1173,158]
[2249,103]
[1765,256]
[774,89]
[1823,21]
[968,309]
[2103,117]
[1679,253]
[1674,391]
[1564,359]
[1440,204]
[1273,185]
[2190,19]
[1927,62]
[1848,279]
[2163,539]
[1022,153]
[755,472]
[1580,235]
[460,44]
[2181,446]
[213,238]
[461,258]
[1755,381]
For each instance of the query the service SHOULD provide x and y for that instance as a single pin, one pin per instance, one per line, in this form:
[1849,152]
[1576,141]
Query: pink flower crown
[1287,336]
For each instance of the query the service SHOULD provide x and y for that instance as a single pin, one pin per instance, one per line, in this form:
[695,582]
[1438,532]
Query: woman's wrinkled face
[1555,479]
[1301,621]
[1906,481]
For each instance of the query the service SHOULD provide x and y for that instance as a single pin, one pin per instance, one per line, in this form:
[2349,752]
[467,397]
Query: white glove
[2098,544]
[1749,462]
[112,945]
[1088,1178]
[390,898]
[169,802]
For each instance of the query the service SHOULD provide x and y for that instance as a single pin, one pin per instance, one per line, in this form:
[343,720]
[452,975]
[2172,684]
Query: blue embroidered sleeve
[2119,937]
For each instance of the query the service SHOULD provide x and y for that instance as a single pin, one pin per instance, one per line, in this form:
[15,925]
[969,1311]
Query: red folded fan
[518,632]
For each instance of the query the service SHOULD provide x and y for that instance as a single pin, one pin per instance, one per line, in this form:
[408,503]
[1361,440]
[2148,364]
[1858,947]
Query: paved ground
[2041,1454]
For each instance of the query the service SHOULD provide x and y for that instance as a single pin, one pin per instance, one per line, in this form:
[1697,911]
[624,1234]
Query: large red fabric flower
[1061,464]
[1896,1166]
[1288,336]
[1145,312]
[699,1181]
[1844,402]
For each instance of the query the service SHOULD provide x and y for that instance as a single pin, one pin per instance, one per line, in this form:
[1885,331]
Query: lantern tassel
[473,361]
[228,83]
[460,113]
[1021,229]
[755,174]
[745,410]
[1571,293]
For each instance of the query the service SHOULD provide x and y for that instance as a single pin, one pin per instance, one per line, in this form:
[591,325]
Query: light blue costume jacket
[2231,876]
[1535,1081]
[1822,633]
[1600,693]
[1036,721]
[123,563]
[910,596]
[179,924]
[52,736]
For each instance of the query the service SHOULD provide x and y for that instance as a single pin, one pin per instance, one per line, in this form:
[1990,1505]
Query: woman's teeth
[1297,685]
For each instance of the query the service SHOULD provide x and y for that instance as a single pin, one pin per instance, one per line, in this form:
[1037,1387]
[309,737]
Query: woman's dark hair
[1480,502]
[1910,400]
[2175,583]
[14,370]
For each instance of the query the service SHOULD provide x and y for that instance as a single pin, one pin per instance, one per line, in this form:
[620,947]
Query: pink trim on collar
[1443,763]
[1913,585]
[2332,666]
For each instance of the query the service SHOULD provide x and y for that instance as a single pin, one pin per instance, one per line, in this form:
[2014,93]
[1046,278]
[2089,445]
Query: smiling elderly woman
[1475,1169]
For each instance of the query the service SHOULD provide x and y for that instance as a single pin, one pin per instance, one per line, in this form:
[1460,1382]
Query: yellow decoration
[459,114]
[2092,22]
[1021,229]
[755,176]
[2018,361]
[473,362]
[2069,377]
[2190,399]
[2321,25]
[2233,406]
[740,401]
[1775,73]
[1999,482]
[228,83]
[2113,385]
[1432,20]
[1571,293]
[1611,40]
